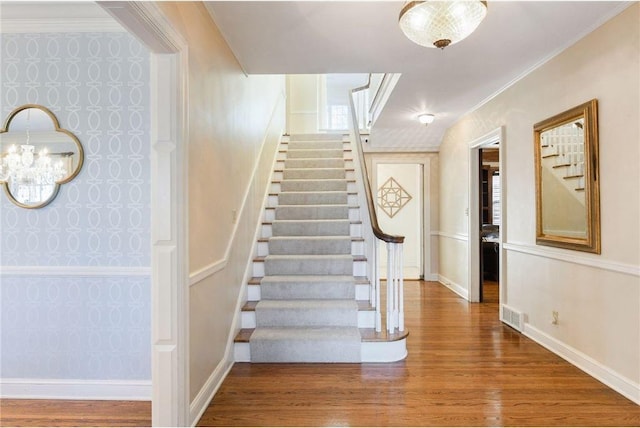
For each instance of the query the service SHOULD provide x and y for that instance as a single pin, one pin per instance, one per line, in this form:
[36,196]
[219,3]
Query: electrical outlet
[554,316]
[234,216]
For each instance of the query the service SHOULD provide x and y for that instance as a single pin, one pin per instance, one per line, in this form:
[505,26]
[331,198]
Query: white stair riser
[362,291]
[367,319]
[356,230]
[360,268]
[241,352]
[357,248]
[247,319]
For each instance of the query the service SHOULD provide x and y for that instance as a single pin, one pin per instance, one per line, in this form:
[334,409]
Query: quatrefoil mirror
[36,156]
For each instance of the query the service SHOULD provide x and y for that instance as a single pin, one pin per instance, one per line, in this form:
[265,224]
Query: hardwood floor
[464,369]
[74,413]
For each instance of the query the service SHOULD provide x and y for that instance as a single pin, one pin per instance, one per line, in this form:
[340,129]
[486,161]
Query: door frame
[384,158]
[170,398]
[473,217]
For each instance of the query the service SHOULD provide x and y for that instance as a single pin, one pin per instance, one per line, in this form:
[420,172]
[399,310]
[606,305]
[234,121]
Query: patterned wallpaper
[91,327]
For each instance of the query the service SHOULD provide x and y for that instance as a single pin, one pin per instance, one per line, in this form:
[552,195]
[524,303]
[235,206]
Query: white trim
[456,288]
[595,262]
[387,85]
[60,25]
[456,236]
[74,271]
[75,389]
[473,218]
[561,48]
[214,18]
[383,352]
[212,268]
[209,389]
[604,374]
[169,203]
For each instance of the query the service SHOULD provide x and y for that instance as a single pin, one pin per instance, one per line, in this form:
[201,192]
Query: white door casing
[169,208]
[493,137]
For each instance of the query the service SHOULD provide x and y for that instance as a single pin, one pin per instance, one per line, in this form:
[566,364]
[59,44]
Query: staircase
[309,298]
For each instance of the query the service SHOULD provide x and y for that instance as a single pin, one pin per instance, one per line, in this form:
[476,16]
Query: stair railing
[395,285]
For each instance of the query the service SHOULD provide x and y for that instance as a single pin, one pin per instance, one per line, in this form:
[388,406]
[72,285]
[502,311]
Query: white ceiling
[289,37]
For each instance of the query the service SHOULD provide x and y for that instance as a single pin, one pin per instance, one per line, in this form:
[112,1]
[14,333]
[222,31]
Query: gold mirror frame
[584,119]
[79,151]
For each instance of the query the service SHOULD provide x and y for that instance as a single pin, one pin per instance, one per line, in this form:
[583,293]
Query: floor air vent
[513,318]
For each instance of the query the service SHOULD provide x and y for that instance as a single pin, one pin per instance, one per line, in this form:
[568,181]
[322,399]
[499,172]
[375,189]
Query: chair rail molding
[564,256]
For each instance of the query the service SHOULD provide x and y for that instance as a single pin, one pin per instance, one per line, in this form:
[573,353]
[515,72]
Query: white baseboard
[456,288]
[76,389]
[612,379]
[211,386]
[432,277]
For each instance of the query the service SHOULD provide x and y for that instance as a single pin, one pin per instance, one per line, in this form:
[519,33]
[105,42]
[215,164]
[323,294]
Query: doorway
[399,205]
[490,198]
[486,176]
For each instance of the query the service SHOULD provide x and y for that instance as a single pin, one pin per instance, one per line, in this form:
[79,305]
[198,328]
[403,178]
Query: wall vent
[513,318]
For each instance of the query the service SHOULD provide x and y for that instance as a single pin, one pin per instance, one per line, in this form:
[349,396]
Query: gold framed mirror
[567,189]
[36,156]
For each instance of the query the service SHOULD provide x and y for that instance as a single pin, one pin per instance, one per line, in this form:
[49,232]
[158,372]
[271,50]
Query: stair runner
[308,310]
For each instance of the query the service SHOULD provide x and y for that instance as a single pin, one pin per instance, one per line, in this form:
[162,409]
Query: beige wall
[302,103]
[598,303]
[234,125]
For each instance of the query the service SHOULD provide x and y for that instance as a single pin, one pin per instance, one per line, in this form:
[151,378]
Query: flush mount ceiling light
[426,118]
[439,24]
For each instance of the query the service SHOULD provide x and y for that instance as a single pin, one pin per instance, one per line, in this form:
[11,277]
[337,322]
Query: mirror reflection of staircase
[308,300]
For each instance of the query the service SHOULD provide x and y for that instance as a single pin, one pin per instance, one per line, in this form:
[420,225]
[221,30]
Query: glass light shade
[441,23]
[426,118]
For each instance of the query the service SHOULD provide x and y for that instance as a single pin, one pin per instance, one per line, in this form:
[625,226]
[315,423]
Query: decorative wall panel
[97,84]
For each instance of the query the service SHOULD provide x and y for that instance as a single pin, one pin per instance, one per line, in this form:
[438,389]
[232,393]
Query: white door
[399,209]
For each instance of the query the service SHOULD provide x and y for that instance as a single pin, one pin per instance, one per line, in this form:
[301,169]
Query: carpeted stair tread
[308,264]
[292,287]
[307,313]
[312,212]
[281,245]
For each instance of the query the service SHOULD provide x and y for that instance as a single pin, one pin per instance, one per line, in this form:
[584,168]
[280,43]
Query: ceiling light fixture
[426,118]
[433,23]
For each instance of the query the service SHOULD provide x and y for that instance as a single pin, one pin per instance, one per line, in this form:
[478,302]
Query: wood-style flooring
[464,368]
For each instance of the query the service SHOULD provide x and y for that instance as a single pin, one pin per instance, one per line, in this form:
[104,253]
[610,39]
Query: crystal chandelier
[439,24]
[24,168]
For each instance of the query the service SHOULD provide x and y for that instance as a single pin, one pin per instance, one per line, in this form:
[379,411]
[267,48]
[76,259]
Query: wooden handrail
[377,231]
